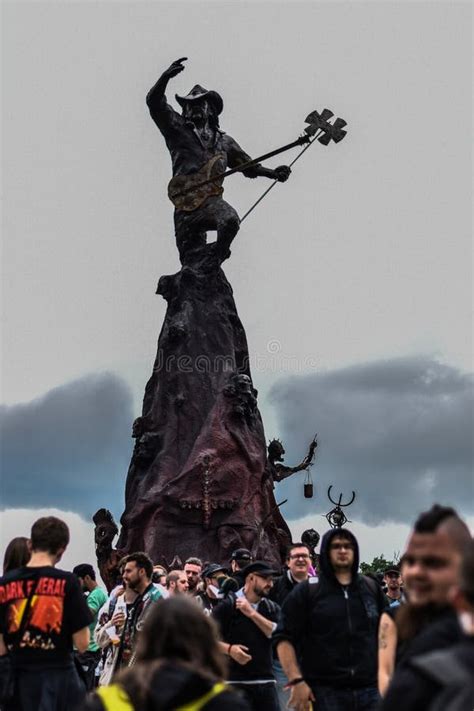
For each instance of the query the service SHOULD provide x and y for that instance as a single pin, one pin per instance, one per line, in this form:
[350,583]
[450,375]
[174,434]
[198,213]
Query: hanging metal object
[336,517]
[308,485]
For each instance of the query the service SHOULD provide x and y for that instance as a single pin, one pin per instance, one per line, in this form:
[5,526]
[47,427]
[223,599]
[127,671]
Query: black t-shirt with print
[58,609]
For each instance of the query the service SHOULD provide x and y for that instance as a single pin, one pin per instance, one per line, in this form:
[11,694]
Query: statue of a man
[199,151]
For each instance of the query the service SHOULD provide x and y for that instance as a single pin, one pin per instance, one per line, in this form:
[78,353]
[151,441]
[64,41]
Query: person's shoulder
[15,574]
[59,573]
[156,594]
[439,634]
[99,594]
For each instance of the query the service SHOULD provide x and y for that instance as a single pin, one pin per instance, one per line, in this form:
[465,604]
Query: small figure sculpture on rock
[243,396]
[200,150]
[108,558]
[276,453]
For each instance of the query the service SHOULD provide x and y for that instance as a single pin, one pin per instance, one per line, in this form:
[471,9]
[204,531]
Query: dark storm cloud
[68,449]
[398,432]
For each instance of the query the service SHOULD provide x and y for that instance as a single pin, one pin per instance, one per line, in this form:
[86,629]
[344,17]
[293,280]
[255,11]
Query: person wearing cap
[246,621]
[211,575]
[239,559]
[393,581]
[200,150]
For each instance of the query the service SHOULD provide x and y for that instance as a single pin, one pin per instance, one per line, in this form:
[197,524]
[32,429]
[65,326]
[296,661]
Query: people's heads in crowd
[298,560]
[431,562]
[393,580]
[177,582]
[258,579]
[341,550]
[239,559]
[86,574]
[213,575]
[137,571]
[17,554]
[159,574]
[49,535]
[193,568]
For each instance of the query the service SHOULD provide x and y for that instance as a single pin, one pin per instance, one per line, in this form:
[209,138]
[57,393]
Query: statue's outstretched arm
[236,156]
[283,472]
[156,95]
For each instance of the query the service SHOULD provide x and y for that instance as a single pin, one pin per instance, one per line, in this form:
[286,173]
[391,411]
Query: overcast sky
[353,280]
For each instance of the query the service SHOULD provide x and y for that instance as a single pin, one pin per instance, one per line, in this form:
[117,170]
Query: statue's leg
[189,232]
[228,224]
[214,215]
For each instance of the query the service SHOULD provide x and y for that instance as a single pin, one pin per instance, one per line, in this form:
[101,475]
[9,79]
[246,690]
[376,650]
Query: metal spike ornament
[336,517]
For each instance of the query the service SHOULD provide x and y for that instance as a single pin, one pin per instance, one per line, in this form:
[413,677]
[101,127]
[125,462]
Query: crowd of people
[242,635]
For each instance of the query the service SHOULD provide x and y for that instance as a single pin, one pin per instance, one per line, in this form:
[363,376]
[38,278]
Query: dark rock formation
[199,482]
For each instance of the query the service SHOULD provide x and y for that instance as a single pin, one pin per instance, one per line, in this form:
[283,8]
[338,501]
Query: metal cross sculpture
[336,517]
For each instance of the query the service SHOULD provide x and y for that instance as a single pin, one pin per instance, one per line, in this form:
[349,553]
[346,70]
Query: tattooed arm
[387,650]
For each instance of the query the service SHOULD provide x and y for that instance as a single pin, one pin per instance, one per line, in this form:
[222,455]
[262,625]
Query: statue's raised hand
[174,68]
[282,173]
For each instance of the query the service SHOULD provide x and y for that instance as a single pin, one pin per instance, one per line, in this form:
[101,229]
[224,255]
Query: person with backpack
[247,620]
[326,639]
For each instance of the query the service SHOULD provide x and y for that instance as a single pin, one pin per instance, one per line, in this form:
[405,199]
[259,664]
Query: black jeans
[260,697]
[332,699]
[48,690]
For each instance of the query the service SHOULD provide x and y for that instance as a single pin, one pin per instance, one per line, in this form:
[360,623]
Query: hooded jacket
[171,687]
[333,627]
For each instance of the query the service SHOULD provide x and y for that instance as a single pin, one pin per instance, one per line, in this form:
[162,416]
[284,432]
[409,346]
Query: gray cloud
[398,432]
[69,449]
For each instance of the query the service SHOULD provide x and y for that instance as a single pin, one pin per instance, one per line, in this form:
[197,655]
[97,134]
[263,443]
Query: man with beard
[211,576]
[137,575]
[393,581]
[95,598]
[327,635]
[247,620]
[431,570]
[192,568]
[177,583]
[443,679]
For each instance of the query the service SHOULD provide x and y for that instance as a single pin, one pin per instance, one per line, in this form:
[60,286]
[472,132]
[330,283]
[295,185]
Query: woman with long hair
[178,666]
[17,554]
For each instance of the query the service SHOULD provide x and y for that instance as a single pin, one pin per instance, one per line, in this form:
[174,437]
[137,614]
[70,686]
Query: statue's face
[105,533]
[197,111]
[276,450]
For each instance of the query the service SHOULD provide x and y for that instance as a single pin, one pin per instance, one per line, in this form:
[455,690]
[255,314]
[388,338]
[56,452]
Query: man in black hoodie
[327,635]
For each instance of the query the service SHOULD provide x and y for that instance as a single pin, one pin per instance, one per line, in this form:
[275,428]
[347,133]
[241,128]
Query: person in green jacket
[95,598]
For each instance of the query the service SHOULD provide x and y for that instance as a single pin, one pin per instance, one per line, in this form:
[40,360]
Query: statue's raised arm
[276,455]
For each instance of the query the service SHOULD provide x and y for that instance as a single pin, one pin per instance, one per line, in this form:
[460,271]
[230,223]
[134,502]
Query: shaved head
[444,520]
